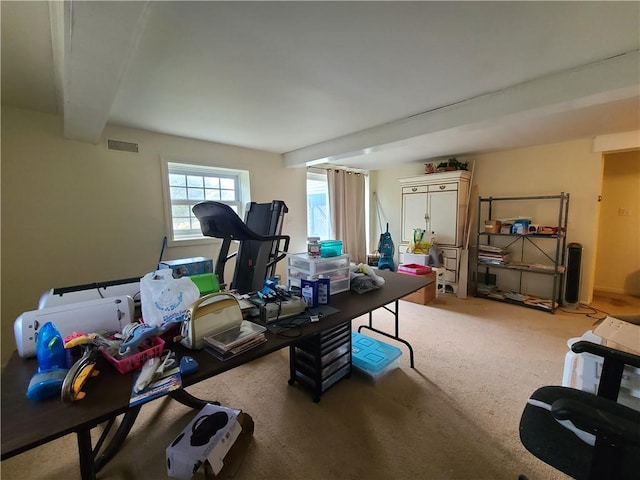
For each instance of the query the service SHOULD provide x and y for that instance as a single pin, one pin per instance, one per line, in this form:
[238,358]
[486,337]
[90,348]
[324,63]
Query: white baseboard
[619,291]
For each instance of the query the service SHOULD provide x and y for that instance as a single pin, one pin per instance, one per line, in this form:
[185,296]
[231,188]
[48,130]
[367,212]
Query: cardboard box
[426,294]
[583,371]
[188,266]
[505,228]
[419,258]
[492,226]
[209,436]
[619,334]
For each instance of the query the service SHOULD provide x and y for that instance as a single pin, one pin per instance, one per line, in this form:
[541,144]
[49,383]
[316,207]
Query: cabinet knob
[442,187]
[414,189]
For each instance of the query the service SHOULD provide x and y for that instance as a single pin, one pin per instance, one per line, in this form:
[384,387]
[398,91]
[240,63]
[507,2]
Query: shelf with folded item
[514,298]
[526,267]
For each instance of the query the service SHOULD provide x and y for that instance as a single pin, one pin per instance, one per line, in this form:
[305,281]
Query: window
[188,184]
[318,215]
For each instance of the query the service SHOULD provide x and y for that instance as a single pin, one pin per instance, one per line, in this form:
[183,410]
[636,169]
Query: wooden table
[27,424]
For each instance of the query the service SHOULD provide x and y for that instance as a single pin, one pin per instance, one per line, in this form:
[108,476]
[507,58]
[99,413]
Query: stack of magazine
[492,255]
[238,339]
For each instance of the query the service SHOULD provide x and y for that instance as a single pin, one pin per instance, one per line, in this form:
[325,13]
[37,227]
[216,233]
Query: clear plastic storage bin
[300,265]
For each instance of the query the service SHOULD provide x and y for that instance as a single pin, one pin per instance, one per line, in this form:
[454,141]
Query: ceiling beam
[608,80]
[617,142]
[93,43]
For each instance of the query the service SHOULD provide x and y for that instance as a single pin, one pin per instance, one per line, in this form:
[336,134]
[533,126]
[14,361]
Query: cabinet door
[443,216]
[414,212]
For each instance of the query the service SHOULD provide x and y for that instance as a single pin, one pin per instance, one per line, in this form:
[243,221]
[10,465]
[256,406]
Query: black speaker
[573,271]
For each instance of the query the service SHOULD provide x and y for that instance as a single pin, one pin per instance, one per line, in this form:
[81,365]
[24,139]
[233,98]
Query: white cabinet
[436,203]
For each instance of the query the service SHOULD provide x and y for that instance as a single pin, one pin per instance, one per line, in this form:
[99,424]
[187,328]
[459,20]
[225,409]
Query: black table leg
[90,460]
[185,398]
[118,439]
[85,454]
[394,337]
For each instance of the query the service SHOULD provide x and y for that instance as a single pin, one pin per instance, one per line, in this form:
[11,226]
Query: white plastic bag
[364,279]
[166,299]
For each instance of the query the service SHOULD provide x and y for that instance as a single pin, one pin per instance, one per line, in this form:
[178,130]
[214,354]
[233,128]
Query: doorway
[617,267]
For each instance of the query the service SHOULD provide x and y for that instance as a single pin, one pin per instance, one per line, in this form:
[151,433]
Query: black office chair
[584,435]
[260,247]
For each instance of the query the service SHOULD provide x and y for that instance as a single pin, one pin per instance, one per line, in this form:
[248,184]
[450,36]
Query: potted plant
[451,165]
[454,164]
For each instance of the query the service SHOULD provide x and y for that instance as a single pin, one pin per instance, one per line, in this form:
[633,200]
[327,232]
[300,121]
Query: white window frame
[195,237]
[321,176]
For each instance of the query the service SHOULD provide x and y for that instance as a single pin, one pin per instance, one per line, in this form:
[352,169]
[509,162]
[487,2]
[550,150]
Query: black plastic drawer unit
[320,361]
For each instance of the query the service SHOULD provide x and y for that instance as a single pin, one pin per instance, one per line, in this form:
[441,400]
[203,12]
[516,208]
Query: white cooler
[583,371]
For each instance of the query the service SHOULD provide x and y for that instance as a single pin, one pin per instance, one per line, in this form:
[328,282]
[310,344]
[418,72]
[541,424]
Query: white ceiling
[359,84]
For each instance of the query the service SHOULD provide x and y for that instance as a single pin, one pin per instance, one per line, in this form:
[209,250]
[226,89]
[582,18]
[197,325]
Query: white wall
[541,170]
[75,213]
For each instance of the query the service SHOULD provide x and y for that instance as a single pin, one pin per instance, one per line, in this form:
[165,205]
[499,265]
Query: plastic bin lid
[370,354]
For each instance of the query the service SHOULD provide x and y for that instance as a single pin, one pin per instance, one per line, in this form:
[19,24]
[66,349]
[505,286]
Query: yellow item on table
[418,244]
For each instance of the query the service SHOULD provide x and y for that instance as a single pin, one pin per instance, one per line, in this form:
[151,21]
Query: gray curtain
[346,204]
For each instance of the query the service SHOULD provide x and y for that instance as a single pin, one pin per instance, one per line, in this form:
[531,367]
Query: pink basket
[414,269]
[135,361]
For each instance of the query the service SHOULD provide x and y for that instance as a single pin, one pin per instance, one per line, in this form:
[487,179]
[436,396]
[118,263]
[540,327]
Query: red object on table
[414,268]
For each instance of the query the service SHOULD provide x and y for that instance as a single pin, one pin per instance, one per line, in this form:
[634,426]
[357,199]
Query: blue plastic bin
[330,248]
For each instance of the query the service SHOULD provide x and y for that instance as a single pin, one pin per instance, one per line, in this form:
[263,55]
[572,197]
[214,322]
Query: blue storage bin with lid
[371,356]
[330,248]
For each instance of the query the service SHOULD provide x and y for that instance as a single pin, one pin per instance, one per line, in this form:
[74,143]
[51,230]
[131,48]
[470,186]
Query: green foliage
[452,164]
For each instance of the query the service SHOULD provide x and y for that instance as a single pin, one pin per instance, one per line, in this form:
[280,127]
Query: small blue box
[372,356]
[520,227]
[330,248]
[184,267]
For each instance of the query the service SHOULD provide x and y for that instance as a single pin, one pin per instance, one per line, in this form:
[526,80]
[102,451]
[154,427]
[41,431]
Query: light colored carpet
[455,416]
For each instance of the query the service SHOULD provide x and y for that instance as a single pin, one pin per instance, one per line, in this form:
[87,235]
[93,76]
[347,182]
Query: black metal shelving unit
[516,244]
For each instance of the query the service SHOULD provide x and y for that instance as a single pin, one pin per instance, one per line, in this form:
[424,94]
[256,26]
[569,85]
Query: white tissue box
[209,436]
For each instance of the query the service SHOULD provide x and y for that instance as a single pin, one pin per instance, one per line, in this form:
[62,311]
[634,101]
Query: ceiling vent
[122,146]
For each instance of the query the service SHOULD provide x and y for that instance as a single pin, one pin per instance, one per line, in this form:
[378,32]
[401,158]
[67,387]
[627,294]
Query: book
[492,248]
[490,254]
